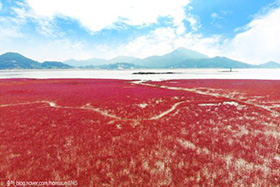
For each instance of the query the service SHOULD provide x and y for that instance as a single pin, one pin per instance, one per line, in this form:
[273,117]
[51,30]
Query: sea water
[262,74]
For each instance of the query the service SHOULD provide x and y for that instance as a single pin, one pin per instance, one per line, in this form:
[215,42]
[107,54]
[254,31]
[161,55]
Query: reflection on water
[269,74]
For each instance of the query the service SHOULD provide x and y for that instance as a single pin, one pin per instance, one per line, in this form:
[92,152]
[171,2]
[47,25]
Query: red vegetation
[124,133]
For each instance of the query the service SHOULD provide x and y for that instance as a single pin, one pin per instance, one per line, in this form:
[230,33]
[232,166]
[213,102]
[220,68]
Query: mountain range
[17,61]
[179,58]
[100,62]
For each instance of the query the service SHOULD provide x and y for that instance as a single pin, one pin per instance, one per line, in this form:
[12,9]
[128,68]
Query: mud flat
[108,132]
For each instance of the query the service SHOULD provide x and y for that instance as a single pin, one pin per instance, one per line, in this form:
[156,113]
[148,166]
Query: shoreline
[156,75]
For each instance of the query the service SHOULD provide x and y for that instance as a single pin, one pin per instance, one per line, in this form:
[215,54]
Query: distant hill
[167,60]
[54,65]
[216,62]
[179,58]
[170,59]
[17,61]
[98,61]
[123,59]
[89,62]
[270,64]
[115,66]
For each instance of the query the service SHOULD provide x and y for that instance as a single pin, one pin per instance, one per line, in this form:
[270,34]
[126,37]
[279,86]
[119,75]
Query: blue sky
[244,30]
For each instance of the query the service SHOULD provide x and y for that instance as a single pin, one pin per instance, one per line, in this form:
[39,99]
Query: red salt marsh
[132,133]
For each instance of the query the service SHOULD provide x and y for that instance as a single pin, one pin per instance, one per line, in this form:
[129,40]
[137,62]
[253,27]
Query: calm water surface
[265,74]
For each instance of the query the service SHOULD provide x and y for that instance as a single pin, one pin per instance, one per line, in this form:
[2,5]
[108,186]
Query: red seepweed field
[132,133]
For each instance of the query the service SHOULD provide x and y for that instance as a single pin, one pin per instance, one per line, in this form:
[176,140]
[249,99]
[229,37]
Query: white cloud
[164,40]
[54,50]
[10,28]
[97,15]
[257,43]
[260,42]
[158,42]
[194,21]
[61,50]
[43,25]
[214,15]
